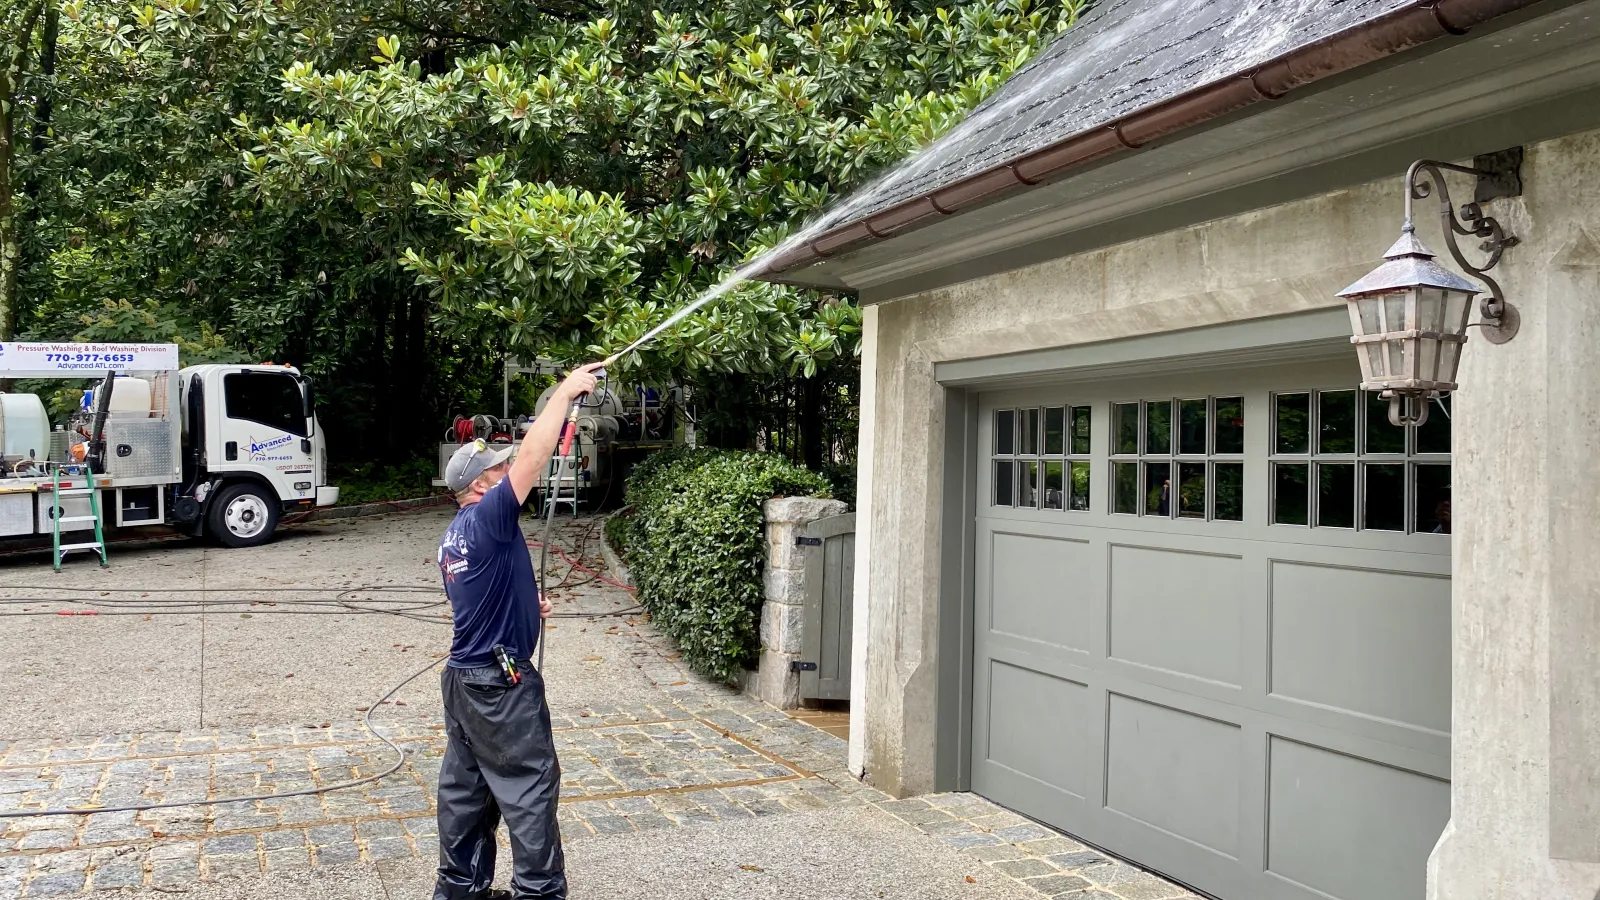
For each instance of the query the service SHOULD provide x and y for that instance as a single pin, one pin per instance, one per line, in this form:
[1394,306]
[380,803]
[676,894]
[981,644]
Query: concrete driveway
[672,787]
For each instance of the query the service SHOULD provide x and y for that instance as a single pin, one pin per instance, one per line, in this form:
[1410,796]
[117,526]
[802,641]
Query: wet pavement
[672,786]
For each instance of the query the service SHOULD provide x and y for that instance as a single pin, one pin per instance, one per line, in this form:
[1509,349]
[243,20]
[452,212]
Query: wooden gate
[830,566]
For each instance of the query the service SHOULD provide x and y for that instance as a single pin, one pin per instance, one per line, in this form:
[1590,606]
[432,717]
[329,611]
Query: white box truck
[215,450]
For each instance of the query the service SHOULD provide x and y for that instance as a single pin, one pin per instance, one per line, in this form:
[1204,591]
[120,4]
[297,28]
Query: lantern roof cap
[1409,264]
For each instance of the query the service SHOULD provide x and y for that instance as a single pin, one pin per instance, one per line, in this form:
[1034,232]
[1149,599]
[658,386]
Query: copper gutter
[1374,40]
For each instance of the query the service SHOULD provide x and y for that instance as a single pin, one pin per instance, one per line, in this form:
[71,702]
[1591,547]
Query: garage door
[1212,627]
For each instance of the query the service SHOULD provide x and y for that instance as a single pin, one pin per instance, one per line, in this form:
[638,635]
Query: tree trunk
[12,67]
[10,249]
[811,431]
[36,261]
[400,420]
[734,432]
[47,71]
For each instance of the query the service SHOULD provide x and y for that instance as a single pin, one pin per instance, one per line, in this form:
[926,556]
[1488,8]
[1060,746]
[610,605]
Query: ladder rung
[65,519]
[92,545]
[75,492]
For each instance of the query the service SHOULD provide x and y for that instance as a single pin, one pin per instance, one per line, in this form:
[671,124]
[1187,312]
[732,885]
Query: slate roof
[1121,57]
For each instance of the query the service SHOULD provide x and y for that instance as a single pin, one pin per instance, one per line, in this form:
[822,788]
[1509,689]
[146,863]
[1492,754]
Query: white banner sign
[86,360]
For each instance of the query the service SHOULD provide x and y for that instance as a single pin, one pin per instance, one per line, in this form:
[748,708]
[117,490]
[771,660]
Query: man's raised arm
[545,432]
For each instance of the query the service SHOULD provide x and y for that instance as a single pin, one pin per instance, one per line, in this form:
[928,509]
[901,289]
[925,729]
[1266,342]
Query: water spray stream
[1021,110]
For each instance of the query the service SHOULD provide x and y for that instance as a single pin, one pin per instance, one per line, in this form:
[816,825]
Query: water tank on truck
[24,430]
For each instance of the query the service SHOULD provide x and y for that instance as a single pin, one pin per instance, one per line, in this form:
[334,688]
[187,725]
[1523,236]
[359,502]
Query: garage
[1212,625]
[1136,556]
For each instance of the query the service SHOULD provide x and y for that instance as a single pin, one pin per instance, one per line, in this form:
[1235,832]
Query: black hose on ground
[366,720]
[144,606]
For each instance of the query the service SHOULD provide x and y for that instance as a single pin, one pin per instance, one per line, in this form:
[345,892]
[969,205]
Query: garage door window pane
[1336,496]
[1384,497]
[1230,492]
[1005,424]
[1125,479]
[1125,418]
[1055,426]
[1381,436]
[1289,494]
[1080,430]
[1004,487]
[1052,485]
[1157,489]
[1292,415]
[1192,490]
[1433,436]
[1192,427]
[1433,499]
[1080,486]
[1336,425]
[1229,424]
[1158,428]
[1028,484]
[1027,432]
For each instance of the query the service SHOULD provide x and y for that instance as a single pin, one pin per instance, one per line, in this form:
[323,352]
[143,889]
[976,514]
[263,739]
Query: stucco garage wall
[1276,261]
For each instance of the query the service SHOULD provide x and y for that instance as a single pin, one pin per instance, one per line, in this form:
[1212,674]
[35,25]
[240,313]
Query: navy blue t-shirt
[488,576]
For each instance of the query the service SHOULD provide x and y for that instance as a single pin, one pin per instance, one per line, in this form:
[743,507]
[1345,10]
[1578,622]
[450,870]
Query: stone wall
[782,615]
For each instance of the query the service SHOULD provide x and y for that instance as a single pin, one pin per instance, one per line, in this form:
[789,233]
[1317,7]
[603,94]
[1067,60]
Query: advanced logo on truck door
[269,451]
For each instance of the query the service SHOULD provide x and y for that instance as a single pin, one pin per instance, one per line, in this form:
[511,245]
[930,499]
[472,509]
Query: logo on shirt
[452,556]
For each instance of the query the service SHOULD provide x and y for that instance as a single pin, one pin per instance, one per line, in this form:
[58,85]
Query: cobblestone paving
[1041,858]
[692,754]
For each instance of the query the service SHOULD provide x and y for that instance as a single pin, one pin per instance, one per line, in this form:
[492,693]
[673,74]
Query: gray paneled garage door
[1213,627]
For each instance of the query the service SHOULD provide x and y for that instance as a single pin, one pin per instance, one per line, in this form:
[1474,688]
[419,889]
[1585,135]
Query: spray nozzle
[595,399]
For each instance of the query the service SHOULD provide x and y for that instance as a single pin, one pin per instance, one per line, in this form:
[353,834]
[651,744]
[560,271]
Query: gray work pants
[500,760]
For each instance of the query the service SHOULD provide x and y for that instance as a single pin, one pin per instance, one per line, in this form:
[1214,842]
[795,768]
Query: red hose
[583,568]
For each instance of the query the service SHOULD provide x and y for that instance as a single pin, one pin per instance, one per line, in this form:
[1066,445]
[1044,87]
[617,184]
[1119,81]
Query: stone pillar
[784,579]
[1525,782]
[860,625]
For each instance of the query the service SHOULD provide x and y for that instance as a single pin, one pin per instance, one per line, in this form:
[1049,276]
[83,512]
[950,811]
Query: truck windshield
[267,398]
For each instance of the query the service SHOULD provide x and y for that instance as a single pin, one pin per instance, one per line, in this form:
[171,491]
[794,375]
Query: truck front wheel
[243,516]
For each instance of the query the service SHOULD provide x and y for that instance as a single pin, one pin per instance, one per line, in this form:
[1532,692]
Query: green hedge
[695,547]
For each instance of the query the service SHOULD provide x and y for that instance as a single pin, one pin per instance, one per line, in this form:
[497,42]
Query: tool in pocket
[507,665]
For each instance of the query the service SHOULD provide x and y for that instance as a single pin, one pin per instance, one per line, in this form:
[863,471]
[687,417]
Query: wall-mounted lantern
[1410,314]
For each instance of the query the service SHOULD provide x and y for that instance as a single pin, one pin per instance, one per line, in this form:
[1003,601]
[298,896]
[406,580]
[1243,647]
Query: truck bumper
[327,495]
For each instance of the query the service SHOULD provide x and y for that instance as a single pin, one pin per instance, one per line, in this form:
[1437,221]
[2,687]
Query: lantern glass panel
[1395,366]
[1430,307]
[1370,310]
[1428,349]
[1371,358]
[1394,312]
[1458,306]
[1449,359]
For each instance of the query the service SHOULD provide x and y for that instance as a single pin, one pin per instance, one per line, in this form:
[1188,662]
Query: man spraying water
[500,759]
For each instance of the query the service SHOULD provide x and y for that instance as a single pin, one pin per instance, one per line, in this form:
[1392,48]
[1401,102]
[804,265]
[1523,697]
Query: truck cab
[252,451]
[218,450]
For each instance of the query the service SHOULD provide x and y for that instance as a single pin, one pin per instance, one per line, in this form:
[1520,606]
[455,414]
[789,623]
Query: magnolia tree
[394,193]
[598,175]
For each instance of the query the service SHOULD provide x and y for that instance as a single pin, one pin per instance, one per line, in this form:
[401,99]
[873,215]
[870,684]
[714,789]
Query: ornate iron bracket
[1499,319]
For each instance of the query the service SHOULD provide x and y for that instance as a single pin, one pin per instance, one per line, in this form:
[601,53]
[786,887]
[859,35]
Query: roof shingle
[1123,56]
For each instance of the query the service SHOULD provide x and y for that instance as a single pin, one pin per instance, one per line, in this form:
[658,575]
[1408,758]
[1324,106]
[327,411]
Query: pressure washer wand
[569,434]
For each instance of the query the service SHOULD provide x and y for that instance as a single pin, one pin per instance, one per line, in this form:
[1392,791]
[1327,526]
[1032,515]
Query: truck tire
[243,515]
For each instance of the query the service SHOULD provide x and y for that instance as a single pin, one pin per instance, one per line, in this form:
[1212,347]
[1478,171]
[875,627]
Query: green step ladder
[58,517]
